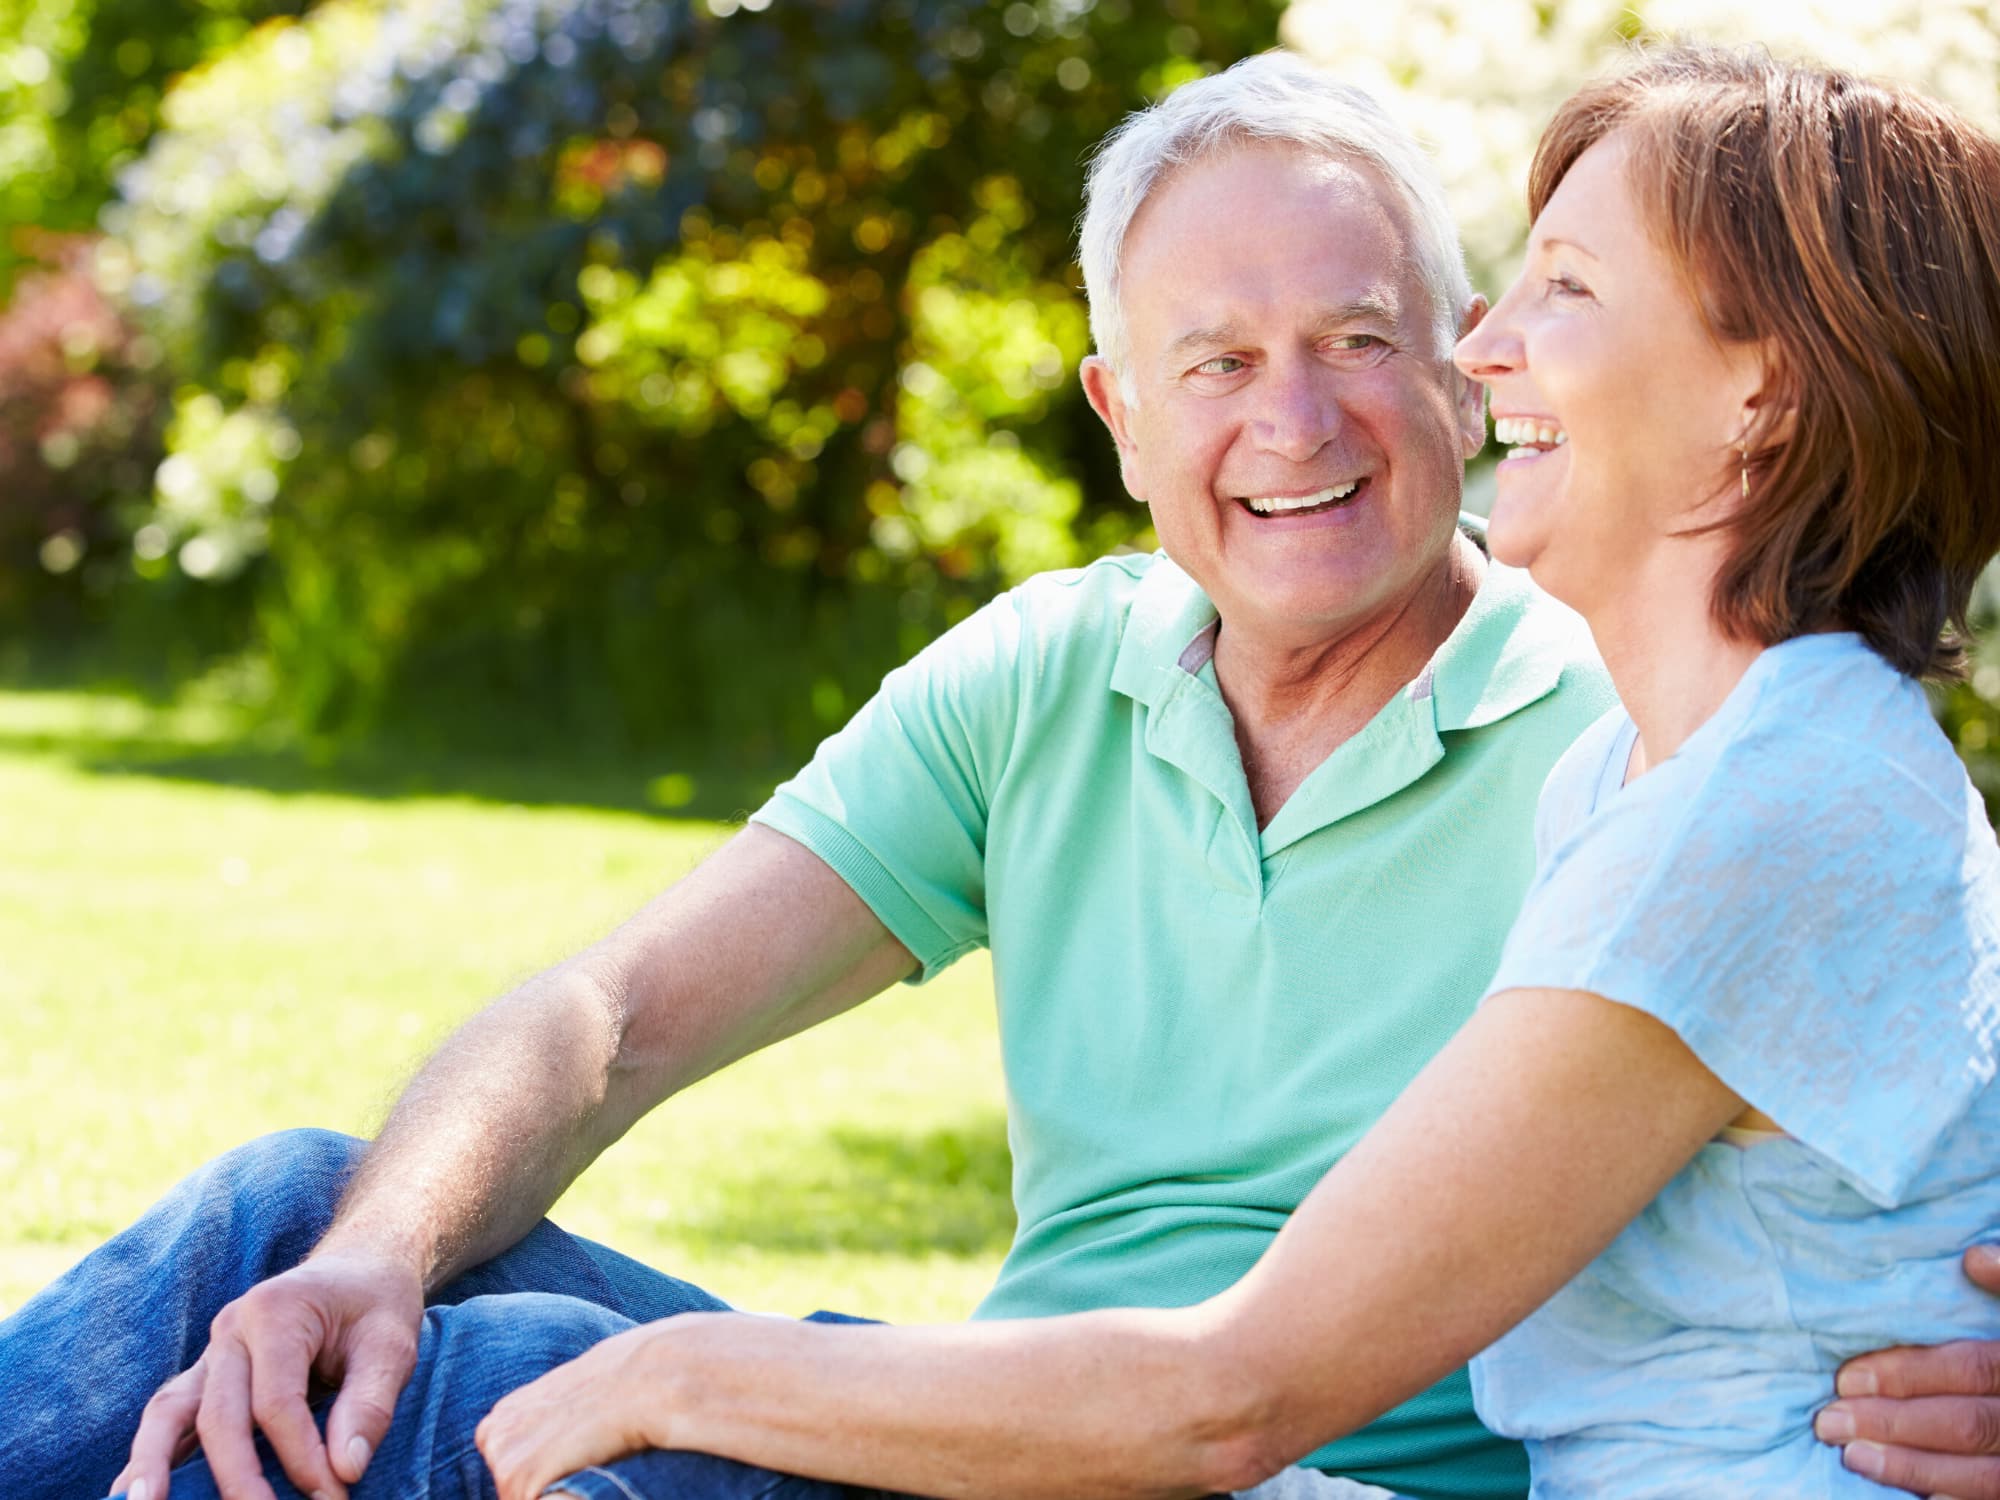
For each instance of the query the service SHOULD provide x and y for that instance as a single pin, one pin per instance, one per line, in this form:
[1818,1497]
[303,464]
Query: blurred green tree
[668,368]
[80,89]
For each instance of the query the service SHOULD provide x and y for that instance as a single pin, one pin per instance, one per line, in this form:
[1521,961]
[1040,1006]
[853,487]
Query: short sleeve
[1814,923]
[896,802]
[1574,781]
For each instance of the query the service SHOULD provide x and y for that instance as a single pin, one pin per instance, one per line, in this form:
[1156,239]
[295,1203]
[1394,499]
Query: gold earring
[1745,450]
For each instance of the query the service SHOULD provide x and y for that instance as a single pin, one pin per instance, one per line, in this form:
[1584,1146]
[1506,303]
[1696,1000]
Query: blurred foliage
[672,369]
[79,425]
[635,371]
[1970,711]
[80,89]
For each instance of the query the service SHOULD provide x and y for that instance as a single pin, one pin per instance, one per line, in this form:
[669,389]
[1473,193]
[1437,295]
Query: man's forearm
[489,1133]
[762,940]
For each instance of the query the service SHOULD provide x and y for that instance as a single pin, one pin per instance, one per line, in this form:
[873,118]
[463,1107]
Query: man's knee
[302,1156]
[477,1351]
[287,1184]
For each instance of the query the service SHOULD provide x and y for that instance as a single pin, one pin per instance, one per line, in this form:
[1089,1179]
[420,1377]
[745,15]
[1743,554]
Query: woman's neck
[1670,662]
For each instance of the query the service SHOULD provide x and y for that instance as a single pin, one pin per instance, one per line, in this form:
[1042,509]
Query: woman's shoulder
[1835,747]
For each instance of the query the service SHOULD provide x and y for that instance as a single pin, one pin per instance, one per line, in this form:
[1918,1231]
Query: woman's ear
[1771,406]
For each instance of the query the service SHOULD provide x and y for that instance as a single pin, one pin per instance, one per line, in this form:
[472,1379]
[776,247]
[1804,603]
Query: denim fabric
[78,1363]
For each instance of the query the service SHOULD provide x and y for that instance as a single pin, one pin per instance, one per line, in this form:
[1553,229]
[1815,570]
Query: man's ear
[1107,399]
[1471,395]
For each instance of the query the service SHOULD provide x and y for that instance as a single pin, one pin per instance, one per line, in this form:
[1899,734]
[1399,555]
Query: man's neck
[1296,702]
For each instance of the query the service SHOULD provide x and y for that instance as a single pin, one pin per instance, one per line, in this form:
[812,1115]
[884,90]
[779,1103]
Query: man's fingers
[1964,1425]
[1970,1367]
[1982,1267]
[1938,1475]
[166,1429]
[378,1367]
[224,1424]
[278,1403]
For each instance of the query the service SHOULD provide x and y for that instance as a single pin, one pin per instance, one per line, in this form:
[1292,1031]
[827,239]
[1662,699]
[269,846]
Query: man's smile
[1311,502]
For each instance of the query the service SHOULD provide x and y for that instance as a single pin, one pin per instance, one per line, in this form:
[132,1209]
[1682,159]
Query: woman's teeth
[1272,504]
[1528,435]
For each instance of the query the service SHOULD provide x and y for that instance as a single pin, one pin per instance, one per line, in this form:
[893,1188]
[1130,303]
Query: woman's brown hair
[1854,228]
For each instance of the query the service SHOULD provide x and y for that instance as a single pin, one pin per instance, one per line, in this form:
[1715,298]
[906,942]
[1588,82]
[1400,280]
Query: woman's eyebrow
[1549,242]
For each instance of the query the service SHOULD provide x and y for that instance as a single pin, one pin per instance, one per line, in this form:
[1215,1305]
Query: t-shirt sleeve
[1571,788]
[1797,914]
[896,802]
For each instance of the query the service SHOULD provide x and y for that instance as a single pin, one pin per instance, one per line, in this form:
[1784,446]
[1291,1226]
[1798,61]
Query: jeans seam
[623,1488]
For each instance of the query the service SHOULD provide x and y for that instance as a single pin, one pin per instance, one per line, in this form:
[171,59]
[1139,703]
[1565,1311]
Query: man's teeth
[1271,504]
[1528,432]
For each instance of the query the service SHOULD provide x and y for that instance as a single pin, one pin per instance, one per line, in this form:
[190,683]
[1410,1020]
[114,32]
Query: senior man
[1243,824]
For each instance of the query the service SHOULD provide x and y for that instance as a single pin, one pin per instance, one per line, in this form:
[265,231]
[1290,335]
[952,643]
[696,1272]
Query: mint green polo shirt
[1198,1017]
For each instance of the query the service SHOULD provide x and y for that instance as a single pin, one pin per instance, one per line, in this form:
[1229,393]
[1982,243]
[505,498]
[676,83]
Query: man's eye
[1350,341]
[1222,364]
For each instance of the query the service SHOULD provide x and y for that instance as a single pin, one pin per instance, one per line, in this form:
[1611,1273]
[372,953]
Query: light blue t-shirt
[1808,893]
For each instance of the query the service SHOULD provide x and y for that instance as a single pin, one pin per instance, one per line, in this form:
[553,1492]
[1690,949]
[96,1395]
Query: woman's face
[1620,414]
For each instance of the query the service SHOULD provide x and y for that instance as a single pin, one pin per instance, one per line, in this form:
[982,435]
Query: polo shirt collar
[1169,615]
[1501,656]
[1507,652]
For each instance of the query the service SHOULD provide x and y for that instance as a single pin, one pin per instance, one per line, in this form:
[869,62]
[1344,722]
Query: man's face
[1295,426]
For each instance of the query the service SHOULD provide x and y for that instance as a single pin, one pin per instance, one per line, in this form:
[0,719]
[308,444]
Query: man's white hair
[1279,97]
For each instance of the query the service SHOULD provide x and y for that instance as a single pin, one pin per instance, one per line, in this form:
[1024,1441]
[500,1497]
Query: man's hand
[1925,1420]
[348,1318]
[604,1404]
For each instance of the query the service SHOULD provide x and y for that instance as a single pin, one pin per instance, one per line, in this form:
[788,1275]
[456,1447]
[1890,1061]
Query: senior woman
[1726,1116]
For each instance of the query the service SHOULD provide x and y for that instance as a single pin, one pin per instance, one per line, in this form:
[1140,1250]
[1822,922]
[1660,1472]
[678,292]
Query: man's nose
[1300,414]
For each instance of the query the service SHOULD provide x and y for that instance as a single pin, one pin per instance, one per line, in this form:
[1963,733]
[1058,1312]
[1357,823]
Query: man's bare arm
[759,942]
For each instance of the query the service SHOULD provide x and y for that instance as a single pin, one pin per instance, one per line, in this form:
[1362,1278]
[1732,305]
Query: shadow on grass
[878,1192]
[110,734]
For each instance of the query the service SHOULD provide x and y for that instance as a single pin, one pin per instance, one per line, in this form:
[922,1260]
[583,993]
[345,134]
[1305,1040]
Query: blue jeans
[78,1363]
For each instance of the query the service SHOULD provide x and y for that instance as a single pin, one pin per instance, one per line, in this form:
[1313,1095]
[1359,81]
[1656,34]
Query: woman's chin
[1514,535]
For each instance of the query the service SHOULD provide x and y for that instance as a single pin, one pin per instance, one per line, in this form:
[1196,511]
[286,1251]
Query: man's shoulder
[1521,661]
[1583,691]
[1075,620]
[1099,593]
[1058,632]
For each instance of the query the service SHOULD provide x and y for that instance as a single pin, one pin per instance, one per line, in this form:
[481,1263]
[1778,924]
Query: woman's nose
[1491,348]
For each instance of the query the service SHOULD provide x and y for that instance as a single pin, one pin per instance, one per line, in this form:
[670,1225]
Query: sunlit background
[449,449]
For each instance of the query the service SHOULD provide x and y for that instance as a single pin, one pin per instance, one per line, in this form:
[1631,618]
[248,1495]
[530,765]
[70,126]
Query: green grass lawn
[202,941]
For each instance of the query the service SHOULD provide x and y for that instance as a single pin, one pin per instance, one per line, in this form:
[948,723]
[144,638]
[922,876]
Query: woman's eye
[1222,364]
[1567,286]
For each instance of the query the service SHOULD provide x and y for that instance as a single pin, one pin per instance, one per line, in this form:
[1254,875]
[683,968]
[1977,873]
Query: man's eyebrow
[1201,338]
[1370,307]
